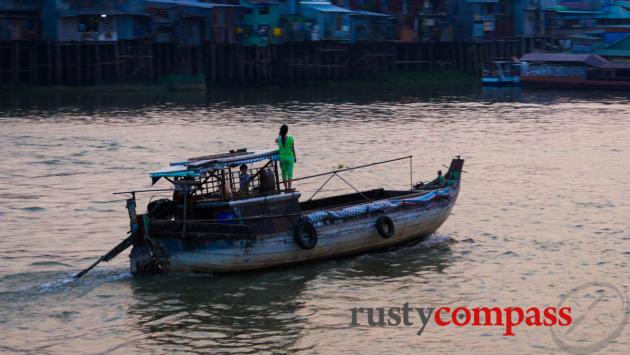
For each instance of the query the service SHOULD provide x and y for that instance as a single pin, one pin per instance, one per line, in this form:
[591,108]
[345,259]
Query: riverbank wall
[128,62]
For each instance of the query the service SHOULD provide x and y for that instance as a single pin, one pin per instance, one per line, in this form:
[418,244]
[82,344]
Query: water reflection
[39,104]
[236,313]
[264,310]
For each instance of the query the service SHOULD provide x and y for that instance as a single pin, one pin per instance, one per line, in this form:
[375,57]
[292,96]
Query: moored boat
[501,73]
[213,223]
[574,71]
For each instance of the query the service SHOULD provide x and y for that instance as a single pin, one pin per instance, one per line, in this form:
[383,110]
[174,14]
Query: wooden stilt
[16,63]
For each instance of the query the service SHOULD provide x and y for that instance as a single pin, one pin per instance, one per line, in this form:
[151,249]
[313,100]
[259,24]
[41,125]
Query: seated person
[244,179]
[439,181]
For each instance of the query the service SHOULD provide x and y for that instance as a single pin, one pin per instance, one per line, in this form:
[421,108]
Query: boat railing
[335,173]
[332,173]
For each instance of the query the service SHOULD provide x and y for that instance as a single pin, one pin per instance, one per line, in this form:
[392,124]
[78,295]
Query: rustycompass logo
[507,318]
[600,314]
[586,319]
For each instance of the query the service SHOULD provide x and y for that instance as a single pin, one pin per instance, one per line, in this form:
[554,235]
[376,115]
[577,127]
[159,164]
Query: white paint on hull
[342,238]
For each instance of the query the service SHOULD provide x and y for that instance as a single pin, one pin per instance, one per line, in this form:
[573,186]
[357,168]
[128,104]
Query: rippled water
[544,208]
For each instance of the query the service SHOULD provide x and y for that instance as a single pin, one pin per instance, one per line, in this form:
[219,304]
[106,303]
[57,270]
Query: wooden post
[33,62]
[97,62]
[291,62]
[77,47]
[58,64]
[16,62]
[213,55]
[116,61]
[49,63]
[151,59]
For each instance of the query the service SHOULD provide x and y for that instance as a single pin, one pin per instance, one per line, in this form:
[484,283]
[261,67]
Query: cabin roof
[197,166]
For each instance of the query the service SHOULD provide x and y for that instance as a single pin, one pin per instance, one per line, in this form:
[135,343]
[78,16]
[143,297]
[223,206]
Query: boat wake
[437,240]
[37,284]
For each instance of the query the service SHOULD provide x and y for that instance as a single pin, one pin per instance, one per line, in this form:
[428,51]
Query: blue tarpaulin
[318,218]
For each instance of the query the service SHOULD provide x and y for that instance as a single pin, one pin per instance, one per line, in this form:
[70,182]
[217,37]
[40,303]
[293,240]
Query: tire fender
[305,235]
[385,226]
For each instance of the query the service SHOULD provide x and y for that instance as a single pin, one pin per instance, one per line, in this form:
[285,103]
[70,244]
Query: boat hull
[574,82]
[491,81]
[339,238]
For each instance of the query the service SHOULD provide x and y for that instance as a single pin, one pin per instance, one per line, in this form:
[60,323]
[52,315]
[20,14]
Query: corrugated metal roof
[263,2]
[589,59]
[370,13]
[617,65]
[205,5]
[613,53]
[585,37]
[554,57]
[620,48]
[623,44]
[96,12]
[616,12]
[577,12]
[323,6]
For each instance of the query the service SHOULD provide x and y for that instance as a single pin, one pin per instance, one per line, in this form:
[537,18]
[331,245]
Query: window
[88,24]
[338,23]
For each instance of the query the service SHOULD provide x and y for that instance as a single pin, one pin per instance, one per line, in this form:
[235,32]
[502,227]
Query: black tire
[305,235]
[385,226]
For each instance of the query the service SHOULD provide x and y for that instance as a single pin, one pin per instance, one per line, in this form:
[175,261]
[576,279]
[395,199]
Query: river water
[543,209]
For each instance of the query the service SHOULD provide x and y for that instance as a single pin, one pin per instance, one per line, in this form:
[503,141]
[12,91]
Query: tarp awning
[195,167]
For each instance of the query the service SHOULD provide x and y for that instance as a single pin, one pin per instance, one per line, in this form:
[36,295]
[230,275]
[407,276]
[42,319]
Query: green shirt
[441,181]
[286,150]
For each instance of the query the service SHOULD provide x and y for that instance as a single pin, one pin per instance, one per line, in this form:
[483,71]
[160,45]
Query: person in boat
[244,179]
[439,181]
[225,190]
[286,149]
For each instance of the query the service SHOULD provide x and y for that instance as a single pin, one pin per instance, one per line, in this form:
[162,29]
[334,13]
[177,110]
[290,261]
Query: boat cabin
[212,188]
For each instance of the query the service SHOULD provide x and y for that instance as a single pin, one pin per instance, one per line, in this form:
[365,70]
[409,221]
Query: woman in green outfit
[286,149]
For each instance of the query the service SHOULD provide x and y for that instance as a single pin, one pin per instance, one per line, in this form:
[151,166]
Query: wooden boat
[574,71]
[501,73]
[211,226]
